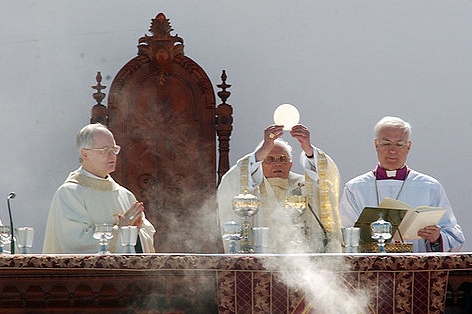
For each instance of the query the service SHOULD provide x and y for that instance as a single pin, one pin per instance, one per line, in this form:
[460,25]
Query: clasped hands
[133,216]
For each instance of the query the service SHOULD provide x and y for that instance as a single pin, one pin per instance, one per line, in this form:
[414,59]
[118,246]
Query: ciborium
[246,205]
[381,230]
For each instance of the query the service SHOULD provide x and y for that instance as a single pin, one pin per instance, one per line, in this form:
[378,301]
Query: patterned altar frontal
[249,284]
[392,283]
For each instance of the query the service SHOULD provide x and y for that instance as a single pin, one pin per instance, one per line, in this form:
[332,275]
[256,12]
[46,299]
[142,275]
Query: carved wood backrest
[161,110]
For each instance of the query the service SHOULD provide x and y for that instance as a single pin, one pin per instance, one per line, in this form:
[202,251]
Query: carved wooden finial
[99,96]
[160,26]
[224,126]
[224,94]
[161,47]
[99,111]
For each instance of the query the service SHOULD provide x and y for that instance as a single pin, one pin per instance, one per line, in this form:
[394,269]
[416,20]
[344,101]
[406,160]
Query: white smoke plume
[326,291]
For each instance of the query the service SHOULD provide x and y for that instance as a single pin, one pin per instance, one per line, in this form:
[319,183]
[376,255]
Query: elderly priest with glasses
[90,196]
[266,174]
[393,179]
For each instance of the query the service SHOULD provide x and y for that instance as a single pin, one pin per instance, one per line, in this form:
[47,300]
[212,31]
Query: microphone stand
[12,243]
[325,233]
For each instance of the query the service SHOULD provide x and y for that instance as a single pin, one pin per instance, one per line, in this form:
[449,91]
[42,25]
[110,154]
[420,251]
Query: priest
[266,173]
[394,179]
[90,196]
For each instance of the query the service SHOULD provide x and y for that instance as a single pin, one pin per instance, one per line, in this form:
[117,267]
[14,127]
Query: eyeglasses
[388,144]
[107,150]
[271,159]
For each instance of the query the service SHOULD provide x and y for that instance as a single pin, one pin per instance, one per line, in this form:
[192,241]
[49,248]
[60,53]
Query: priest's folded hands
[133,216]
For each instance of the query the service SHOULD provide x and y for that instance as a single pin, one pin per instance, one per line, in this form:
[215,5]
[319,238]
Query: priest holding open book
[393,184]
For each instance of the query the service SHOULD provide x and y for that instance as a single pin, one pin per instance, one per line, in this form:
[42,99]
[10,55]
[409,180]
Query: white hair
[84,137]
[392,122]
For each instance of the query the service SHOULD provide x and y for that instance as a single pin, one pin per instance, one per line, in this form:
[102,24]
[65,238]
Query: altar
[212,283]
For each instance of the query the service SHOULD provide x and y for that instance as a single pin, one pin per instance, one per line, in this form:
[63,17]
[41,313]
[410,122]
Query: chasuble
[320,185]
[82,201]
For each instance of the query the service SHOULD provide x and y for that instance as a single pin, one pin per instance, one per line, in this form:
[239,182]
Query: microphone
[12,247]
[325,233]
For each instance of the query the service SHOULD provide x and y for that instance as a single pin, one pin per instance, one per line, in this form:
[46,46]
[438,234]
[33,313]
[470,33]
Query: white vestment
[82,201]
[418,190]
[284,231]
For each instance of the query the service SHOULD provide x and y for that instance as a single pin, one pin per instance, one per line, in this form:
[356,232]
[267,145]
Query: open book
[414,219]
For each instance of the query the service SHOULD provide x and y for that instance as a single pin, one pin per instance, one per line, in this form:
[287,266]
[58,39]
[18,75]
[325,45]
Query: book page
[389,202]
[414,219]
[419,218]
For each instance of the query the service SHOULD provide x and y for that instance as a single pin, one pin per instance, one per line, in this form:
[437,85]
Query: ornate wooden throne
[161,109]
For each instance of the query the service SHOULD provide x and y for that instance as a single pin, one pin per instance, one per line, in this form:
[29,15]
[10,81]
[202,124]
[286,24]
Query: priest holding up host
[266,174]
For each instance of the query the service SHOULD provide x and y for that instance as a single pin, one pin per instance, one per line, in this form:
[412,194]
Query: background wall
[343,63]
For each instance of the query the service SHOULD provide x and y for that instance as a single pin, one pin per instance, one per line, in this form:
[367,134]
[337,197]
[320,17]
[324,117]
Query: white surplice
[418,190]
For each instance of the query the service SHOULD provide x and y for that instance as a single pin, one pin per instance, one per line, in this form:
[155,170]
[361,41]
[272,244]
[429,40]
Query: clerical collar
[399,174]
